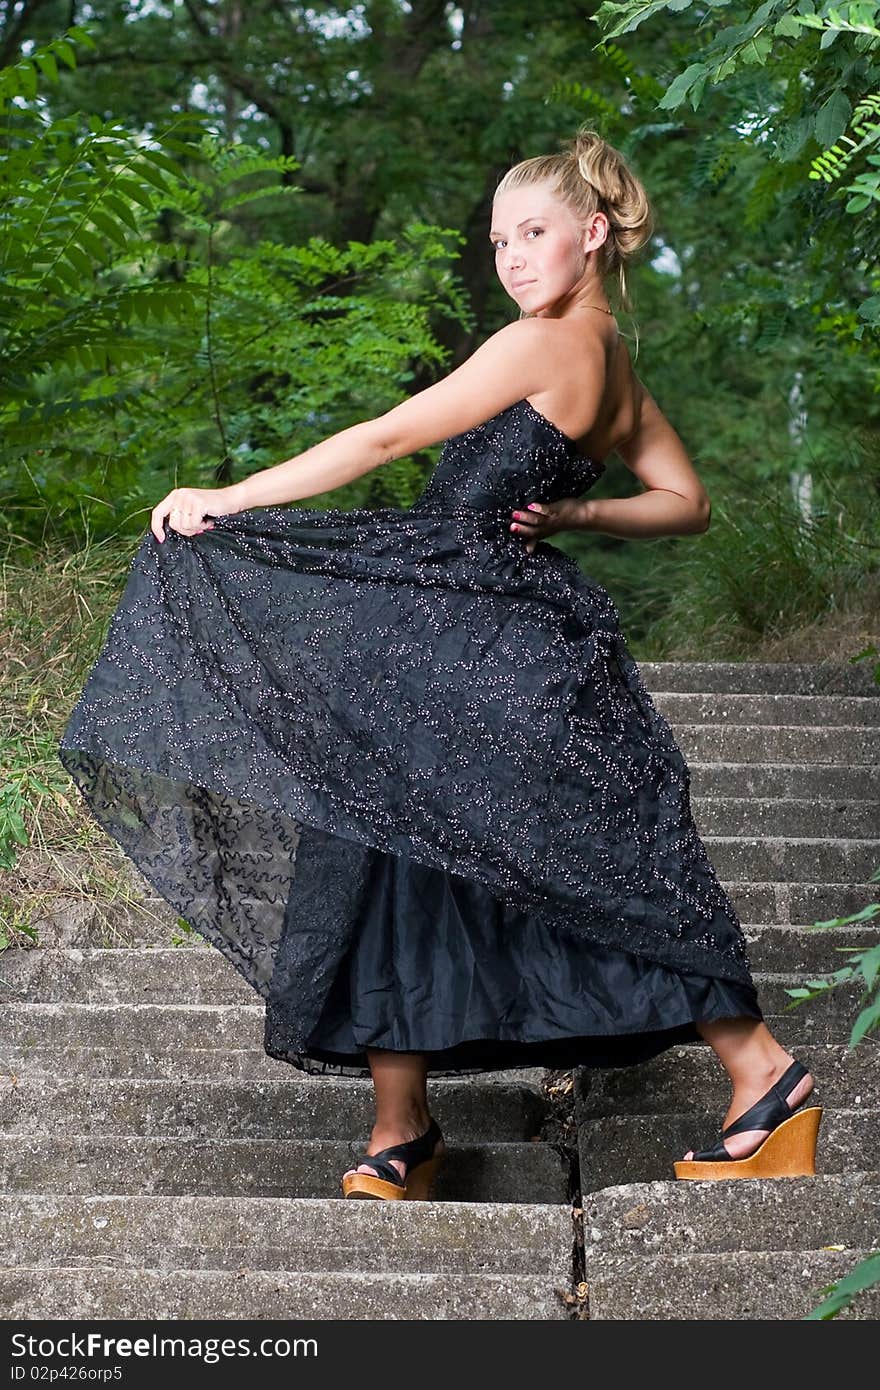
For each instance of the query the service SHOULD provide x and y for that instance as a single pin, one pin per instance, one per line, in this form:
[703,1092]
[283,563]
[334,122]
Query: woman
[399,764]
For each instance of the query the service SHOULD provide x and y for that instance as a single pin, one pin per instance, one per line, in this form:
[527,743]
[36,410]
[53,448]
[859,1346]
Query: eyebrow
[518,225]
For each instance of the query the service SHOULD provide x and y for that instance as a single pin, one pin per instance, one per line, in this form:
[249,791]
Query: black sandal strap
[384,1170]
[717,1154]
[772,1108]
[413,1152]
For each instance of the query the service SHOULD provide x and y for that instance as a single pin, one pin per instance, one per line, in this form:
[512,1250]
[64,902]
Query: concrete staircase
[155,1163]
[785,783]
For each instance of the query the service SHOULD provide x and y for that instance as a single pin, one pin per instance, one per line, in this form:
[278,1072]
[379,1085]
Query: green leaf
[93,245]
[122,209]
[787,27]
[696,92]
[47,64]
[108,226]
[757,50]
[679,88]
[832,118]
[134,190]
[865,1275]
[146,171]
[65,52]
[79,259]
[27,79]
[163,162]
[870,965]
[866,1021]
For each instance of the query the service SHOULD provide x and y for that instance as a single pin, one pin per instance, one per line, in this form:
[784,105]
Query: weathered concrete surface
[744,1286]
[271,1167]
[277,1295]
[680,1218]
[225,1233]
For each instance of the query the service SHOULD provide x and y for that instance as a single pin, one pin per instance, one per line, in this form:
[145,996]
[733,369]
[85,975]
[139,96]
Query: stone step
[798,904]
[151,1295]
[691,1218]
[843,1078]
[788,951]
[229,1109]
[243,1064]
[98,1164]
[648,1246]
[792,860]
[781,818]
[782,709]
[762,677]
[278,1233]
[617,1149]
[33,1030]
[766,743]
[743,1286]
[170,974]
[803,781]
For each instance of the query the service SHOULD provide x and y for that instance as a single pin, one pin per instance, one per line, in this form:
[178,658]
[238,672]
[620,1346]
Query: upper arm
[655,453]
[516,361]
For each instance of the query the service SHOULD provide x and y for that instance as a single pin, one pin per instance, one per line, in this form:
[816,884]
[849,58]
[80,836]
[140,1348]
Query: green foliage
[863,1276]
[804,99]
[153,334]
[862,965]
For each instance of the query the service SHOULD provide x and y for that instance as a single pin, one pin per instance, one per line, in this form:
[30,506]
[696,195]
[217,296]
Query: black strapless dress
[408,779]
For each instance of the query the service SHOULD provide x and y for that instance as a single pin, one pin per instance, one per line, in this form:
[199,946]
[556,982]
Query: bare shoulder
[522,359]
[579,368]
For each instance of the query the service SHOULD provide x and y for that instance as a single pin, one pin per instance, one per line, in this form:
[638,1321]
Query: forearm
[330,464]
[656,512]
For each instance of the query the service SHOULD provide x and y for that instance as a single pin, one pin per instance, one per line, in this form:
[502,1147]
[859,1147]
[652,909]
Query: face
[542,257]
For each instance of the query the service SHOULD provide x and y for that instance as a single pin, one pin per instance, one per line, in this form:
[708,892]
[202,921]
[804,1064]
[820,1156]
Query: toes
[689,1155]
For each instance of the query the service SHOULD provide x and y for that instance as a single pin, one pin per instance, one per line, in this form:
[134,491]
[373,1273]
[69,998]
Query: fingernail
[533,507]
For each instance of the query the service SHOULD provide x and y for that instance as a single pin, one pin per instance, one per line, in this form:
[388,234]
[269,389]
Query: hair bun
[606,171]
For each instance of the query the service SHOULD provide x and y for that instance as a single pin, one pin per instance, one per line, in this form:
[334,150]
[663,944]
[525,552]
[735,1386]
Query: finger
[526,522]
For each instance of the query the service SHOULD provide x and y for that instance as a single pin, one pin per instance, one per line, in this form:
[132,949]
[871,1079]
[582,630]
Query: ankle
[762,1070]
[411,1119]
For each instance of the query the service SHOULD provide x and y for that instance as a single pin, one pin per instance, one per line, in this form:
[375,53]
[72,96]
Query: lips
[523,284]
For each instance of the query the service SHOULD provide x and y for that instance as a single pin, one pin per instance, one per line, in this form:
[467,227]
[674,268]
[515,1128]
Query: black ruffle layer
[440,966]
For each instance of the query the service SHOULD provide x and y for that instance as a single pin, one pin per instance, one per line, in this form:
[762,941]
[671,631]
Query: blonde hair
[592,176]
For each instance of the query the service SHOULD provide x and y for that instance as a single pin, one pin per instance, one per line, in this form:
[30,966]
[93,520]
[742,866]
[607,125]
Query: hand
[187,507]
[542,519]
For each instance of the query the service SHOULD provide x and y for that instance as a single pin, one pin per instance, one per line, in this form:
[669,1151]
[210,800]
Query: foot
[383,1137]
[745,1095]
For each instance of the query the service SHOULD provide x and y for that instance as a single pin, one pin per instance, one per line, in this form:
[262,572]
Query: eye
[500,242]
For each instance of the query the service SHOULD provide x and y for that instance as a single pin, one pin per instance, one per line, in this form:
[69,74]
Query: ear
[596,234]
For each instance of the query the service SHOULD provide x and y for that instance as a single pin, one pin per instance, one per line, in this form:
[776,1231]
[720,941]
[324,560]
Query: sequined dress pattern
[407,777]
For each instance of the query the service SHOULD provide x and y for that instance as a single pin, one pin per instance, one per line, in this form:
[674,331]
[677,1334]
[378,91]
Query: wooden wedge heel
[422,1157]
[789,1150]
